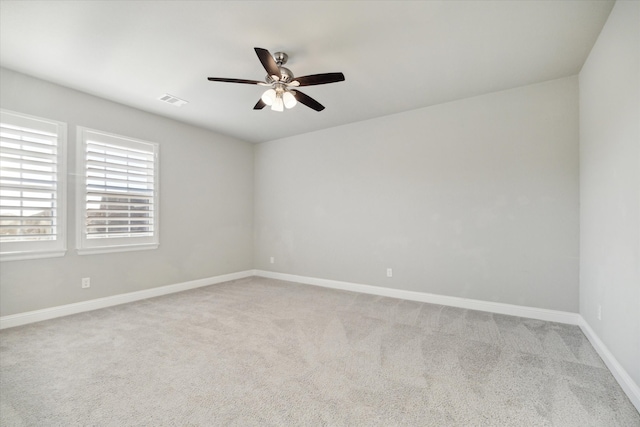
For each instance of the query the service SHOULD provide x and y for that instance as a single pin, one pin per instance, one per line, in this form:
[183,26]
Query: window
[117,193]
[32,187]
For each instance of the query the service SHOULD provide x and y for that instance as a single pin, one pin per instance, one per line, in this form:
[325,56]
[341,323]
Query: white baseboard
[492,307]
[472,304]
[94,304]
[620,374]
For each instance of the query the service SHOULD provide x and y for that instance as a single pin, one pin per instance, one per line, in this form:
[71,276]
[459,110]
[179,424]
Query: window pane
[28,161]
[120,190]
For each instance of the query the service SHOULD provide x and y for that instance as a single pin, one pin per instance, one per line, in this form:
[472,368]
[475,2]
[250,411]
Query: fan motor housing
[286,76]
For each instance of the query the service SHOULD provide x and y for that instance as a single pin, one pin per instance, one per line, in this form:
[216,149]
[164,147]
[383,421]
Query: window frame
[23,250]
[87,246]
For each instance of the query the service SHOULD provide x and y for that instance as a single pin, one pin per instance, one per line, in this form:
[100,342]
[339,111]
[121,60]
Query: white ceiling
[396,55]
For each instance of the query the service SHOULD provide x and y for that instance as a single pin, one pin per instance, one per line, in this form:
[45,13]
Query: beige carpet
[264,352]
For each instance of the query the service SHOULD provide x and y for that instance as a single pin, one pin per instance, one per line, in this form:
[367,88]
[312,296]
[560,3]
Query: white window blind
[32,172]
[119,192]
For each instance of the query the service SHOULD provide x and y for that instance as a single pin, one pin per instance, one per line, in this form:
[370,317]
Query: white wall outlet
[389,272]
[599,312]
[272,260]
[86,282]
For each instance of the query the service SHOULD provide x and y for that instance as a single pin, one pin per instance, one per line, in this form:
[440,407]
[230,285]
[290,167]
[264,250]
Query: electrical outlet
[272,260]
[389,272]
[599,312]
[86,282]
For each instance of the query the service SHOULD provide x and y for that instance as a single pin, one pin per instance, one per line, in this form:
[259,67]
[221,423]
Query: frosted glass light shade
[278,104]
[289,100]
[269,97]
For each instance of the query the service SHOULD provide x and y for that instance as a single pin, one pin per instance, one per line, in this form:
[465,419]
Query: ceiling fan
[281,83]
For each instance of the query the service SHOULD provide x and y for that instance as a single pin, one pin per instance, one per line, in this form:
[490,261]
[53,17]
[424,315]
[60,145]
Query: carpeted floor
[264,352]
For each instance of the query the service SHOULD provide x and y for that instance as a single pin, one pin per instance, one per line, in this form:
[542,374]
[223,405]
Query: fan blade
[307,100]
[248,82]
[318,79]
[268,62]
[259,105]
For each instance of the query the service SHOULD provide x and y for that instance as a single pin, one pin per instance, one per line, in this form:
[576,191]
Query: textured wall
[206,204]
[476,198]
[610,186]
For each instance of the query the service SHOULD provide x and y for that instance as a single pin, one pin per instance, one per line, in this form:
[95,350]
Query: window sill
[19,256]
[112,249]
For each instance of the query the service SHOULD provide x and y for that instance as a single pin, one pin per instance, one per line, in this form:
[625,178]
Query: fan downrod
[286,74]
[280,58]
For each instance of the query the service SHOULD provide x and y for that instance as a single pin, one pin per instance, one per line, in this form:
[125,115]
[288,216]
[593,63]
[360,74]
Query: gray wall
[476,198]
[206,204]
[610,186]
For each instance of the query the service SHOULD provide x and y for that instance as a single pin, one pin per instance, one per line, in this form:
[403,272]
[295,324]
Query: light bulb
[289,100]
[278,105]
[268,97]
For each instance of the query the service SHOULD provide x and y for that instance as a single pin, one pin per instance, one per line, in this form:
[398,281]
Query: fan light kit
[281,82]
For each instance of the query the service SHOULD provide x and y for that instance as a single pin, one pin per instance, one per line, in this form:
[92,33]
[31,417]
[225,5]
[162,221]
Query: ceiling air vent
[170,99]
